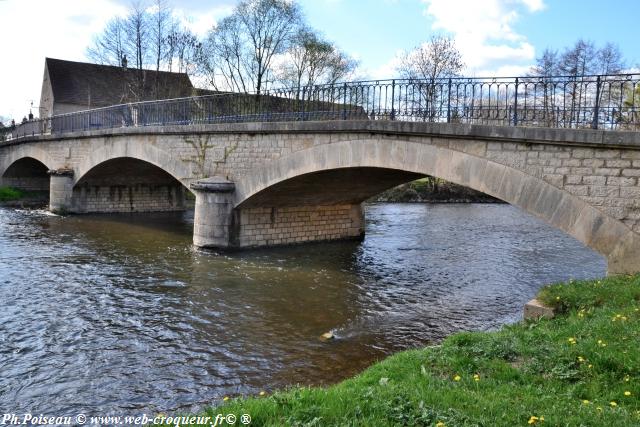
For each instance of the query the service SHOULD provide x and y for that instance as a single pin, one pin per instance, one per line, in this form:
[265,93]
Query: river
[119,314]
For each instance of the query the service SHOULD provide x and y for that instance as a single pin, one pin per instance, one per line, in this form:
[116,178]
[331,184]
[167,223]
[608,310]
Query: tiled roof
[103,85]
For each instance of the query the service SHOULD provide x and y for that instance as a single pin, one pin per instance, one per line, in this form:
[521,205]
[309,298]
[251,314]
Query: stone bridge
[258,184]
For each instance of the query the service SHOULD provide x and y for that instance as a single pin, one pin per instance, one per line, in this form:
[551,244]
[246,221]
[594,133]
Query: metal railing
[609,102]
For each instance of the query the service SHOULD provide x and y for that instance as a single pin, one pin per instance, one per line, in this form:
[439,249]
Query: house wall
[46,95]
[60,108]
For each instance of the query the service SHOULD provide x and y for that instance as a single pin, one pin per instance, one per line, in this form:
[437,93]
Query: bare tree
[436,59]
[182,49]
[171,43]
[577,62]
[160,23]
[239,52]
[222,57]
[609,59]
[542,85]
[546,64]
[312,60]
[109,47]
[137,33]
[269,26]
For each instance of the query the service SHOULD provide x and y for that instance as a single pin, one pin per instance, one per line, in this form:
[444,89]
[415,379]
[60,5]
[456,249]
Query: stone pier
[61,190]
[213,214]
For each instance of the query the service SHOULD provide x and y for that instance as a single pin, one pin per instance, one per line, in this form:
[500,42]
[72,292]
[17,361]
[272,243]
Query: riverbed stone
[535,309]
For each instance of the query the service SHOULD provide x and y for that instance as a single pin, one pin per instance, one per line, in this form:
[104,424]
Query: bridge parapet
[609,102]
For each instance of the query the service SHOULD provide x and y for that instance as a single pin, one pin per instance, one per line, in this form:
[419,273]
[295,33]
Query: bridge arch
[124,147]
[606,235]
[127,184]
[27,169]
[25,152]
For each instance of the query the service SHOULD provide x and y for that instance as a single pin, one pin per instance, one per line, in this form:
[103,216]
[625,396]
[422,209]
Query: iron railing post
[515,104]
[449,101]
[393,99]
[302,106]
[344,105]
[596,109]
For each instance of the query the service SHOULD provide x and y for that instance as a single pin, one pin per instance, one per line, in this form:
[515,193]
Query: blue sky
[375,33]
[496,37]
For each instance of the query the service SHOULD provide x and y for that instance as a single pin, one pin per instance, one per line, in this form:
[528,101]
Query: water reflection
[120,313]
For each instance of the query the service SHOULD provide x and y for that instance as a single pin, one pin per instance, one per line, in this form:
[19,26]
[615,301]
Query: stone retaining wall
[134,198]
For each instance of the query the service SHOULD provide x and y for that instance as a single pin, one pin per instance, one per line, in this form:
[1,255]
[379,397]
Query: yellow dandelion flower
[580,359]
[225,398]
[585,402]
[613,404]
[440,424]
[533,419]
[627,393]
[557,298]
[590,366]
[457,378]
[262,393]
[572,341]
[476,377]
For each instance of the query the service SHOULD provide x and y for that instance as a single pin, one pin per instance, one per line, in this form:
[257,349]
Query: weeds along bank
[12,197]
[433,190]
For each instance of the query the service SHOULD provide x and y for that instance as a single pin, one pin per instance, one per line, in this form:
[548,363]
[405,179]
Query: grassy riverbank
[12,197]
[8,194]
[580,368]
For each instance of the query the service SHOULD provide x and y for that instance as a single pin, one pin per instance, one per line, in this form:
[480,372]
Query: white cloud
[534,5]
[57,29]
[385,70]
[203,21]
[484,31]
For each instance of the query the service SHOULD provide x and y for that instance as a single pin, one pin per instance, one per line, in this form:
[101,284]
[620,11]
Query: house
[70,86]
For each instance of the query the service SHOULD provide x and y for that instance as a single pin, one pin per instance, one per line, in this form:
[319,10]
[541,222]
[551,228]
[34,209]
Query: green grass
[8,194]
[567,370]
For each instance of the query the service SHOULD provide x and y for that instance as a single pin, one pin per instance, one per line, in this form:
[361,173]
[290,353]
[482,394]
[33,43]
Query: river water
[119,314]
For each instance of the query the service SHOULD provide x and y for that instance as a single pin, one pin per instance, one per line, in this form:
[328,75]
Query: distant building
[70,86]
